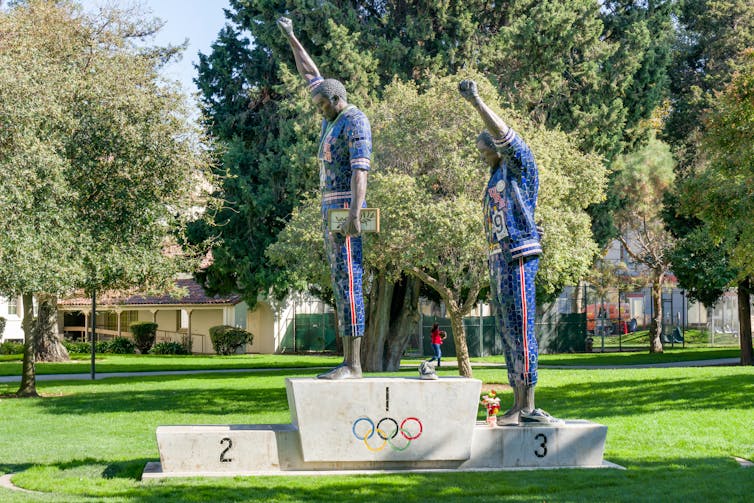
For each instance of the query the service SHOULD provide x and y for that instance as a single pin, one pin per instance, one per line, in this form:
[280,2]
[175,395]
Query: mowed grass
[106,363]
[10,365]
[627,357]
[675,430]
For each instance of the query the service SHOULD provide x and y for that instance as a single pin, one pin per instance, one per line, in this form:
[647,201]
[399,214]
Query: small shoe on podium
[538,417]
[427,371]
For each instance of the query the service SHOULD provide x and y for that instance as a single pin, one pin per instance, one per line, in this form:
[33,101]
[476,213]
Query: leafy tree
[102,163]
[594,72]
[428,182]
[712,38]
[719,192]
[644,178]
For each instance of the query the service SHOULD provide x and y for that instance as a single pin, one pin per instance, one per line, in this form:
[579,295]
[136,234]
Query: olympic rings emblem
[410,429]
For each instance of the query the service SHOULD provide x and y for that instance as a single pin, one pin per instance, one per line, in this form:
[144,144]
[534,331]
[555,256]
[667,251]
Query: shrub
[11,348]
[121,346]
[77,347]
[2,325]
[144,333]
[169,348]
[226,339]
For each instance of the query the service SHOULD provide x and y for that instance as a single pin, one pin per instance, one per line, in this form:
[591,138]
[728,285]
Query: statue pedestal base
[375,425]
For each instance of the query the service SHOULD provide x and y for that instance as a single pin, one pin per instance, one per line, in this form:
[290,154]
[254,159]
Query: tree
[644,178]
[712,37]
[95,130]
[589,71]
[427,181]
[719,192]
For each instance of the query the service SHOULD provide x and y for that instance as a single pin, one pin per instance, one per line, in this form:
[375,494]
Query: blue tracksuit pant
[513,300]
[344,255]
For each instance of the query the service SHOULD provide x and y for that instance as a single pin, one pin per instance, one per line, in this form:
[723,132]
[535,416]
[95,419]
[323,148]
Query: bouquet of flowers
[492,404]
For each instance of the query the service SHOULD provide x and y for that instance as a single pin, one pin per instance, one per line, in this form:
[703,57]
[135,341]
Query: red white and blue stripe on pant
[344,254]
[513,300]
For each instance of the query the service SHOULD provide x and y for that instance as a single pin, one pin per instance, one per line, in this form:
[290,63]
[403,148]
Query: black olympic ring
[380,431]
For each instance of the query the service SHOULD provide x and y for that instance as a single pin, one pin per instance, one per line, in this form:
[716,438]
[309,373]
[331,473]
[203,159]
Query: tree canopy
[102,166]
[428,182]
[592,72]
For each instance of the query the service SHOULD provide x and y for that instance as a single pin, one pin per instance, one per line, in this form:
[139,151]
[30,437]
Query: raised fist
[468,89]
[285,25]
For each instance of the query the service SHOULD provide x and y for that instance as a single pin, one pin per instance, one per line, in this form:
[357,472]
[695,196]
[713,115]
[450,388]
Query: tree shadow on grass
[214,401]
[13,467]
[210,393]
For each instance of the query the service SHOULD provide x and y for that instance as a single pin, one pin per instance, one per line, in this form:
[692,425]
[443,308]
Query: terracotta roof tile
[195,295]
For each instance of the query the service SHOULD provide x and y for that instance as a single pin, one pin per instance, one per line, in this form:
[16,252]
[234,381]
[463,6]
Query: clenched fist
[468,89]
[285,25]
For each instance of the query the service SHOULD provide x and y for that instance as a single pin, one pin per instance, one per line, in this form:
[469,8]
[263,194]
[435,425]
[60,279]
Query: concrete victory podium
[375,424]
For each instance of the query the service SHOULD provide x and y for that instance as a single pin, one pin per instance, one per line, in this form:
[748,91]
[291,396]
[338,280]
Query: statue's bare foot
[342,371]
[509,418]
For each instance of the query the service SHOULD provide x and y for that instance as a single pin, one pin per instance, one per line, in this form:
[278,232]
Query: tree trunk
[744,320]
[578,299]
[28,373]
[405,315]
[459,338]
[49,345]
[655,327]
[378,325]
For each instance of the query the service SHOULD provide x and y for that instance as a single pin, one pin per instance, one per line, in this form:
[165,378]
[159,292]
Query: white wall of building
[12,311]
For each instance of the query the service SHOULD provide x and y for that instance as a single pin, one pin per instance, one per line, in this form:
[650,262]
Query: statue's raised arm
[510,201]
[344,156]
[494,124]
[304,63]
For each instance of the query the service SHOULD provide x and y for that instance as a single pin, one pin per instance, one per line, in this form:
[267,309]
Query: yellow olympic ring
[384,441]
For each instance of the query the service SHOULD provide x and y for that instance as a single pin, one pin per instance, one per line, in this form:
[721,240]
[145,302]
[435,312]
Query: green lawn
[693,337]
[675,430]
[628,357]
[11,364]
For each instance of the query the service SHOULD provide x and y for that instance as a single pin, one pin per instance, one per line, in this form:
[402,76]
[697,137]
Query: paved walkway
[107,375]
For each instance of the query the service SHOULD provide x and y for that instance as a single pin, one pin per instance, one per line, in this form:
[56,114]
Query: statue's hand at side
[468,89]
[352,225]
[285,25]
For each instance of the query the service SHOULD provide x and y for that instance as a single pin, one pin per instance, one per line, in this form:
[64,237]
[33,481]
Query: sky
[199,21]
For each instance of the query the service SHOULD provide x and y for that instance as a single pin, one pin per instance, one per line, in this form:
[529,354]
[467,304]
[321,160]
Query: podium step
[376,425]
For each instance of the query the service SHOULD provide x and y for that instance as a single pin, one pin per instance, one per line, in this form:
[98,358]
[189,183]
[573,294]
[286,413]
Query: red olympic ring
[403,424]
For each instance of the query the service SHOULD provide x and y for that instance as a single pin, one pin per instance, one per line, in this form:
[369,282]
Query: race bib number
[497,224]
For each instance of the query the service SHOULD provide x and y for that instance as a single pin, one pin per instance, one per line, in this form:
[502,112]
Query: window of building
[13,306]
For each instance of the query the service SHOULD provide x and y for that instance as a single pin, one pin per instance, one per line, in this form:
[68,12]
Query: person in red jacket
[437,336]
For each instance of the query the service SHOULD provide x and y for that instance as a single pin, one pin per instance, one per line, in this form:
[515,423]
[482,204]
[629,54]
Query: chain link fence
[582,319]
